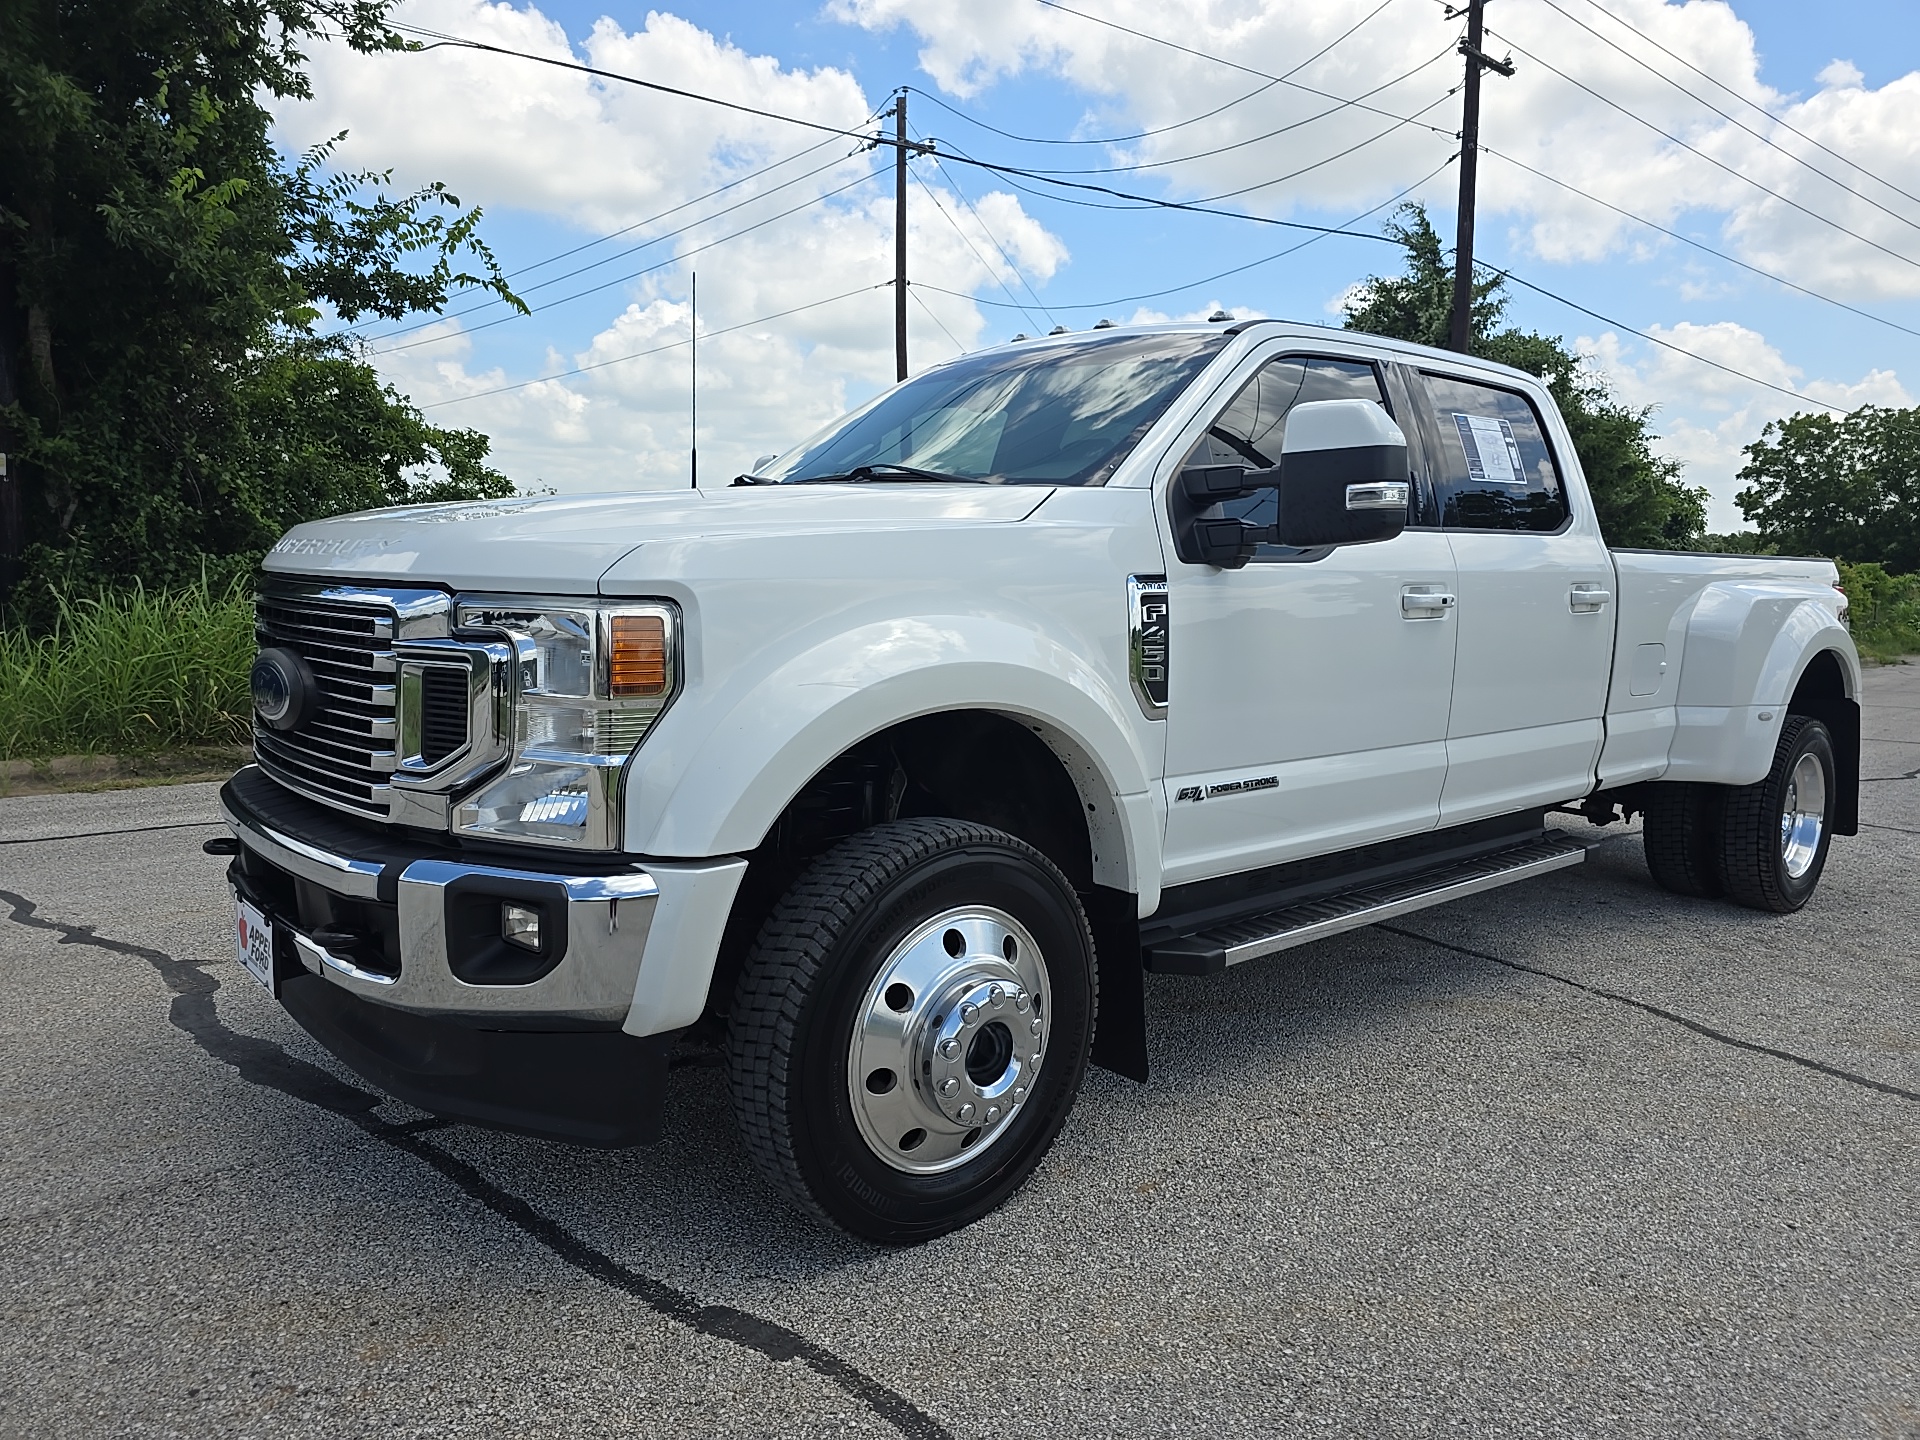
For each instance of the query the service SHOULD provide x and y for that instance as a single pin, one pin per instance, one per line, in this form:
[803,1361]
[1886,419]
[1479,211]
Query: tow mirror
[1343,475]
[1201,535]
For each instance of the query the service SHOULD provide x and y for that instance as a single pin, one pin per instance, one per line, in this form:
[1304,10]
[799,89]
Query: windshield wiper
[888,470]
[752,480]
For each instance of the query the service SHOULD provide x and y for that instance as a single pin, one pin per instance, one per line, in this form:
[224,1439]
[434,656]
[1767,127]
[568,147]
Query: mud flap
[1120,1037]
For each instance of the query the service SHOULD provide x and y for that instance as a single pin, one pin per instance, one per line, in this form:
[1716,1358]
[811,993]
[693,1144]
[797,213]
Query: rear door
[1536,613]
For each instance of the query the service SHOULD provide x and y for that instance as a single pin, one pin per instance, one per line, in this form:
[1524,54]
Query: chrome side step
[1216,948]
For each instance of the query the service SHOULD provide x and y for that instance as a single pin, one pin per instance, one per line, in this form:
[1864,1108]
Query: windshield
[1059,415]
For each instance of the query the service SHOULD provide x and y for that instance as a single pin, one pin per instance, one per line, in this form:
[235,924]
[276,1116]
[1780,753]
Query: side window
[1250,430]
[1494,470]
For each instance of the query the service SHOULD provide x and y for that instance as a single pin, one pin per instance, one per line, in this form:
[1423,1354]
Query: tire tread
[786,961]
[1750,834]
[1681,835]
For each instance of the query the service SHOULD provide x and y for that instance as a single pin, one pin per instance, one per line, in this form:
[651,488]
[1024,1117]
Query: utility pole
[900,235]
[1460,331]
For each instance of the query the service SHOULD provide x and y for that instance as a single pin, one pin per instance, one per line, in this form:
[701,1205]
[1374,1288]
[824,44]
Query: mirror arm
[1204,485]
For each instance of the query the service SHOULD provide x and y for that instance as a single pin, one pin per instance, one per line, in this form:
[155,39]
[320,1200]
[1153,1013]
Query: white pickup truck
[888,770]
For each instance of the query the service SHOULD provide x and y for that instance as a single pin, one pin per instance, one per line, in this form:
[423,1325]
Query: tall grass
[128,673]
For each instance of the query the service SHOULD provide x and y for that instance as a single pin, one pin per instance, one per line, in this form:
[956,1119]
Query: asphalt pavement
[1575,1158]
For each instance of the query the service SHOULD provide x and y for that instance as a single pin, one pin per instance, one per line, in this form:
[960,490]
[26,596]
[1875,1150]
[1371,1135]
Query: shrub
[1884,610]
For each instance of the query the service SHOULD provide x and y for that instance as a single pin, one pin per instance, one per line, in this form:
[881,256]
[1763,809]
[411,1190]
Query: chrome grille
[342,754]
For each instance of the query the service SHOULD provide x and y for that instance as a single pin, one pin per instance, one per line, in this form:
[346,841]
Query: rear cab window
[1491,465]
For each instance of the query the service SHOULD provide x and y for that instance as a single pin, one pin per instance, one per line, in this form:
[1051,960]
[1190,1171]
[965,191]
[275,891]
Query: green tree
[1846,486]
[165,396]
[1637,495]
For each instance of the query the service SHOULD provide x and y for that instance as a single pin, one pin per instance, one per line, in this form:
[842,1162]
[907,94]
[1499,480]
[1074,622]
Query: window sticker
[1493,455]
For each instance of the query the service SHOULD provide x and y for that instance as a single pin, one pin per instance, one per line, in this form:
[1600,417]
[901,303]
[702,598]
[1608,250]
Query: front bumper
[388,950]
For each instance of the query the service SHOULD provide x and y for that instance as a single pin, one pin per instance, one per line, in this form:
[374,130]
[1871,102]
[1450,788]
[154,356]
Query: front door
[1308,692]
[1536,610]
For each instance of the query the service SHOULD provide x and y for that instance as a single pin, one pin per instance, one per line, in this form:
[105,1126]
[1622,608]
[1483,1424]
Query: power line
[1656,340]
[1222,275]
[1163,129]
[1428,63]
[1701,245]
[656,350]
[644,270]
[1731,120]
[1781,121]
[655,219]
[1207,204]
[928,311]
[960,158]
[1135,201]
[1005,255]
[618,254]
[1692,150]
[1203,55]
[971,246]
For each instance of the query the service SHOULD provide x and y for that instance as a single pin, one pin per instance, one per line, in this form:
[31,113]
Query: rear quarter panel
[1714,644]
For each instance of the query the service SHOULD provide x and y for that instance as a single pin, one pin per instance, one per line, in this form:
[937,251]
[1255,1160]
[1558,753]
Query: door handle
[1425,604]
[1588,599]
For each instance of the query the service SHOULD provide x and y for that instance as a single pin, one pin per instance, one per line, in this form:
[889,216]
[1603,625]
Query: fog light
[520,925]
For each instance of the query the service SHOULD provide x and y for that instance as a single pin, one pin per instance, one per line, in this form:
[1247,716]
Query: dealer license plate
[253,942]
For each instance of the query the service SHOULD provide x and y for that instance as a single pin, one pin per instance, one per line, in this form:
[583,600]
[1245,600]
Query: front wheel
[912,1027]
[1774,834]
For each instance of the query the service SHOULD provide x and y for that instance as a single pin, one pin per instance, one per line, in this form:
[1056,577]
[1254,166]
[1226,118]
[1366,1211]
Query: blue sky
[557,160]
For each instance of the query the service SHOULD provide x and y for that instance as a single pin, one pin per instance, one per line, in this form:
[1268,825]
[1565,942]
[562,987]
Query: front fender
[740,761]
[1747,645]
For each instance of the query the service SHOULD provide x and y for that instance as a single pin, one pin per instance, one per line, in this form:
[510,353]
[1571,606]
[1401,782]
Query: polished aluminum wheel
[1803,816]
[949,1040]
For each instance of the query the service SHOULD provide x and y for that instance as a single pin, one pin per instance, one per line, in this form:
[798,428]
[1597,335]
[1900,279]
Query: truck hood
[562,545]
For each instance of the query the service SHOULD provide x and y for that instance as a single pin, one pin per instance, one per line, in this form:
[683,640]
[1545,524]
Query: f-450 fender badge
[1227,787]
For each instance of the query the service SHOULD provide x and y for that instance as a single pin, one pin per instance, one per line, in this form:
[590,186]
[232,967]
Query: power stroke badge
[1227,787]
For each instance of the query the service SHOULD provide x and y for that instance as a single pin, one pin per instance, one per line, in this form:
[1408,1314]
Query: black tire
[808,982]
[1755,860]
[1681,833]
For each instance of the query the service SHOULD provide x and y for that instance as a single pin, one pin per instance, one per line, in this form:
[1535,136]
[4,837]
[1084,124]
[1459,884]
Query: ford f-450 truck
[887,771]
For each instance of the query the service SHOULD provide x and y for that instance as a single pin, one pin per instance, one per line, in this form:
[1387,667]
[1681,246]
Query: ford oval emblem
[284,690]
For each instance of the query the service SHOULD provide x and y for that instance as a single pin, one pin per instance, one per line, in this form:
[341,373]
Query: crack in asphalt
[266,1064]
[125,830]
[1694,1025]
[1897,829]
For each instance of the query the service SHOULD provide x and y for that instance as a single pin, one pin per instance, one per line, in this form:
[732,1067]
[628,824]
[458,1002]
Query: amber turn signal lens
[638,664]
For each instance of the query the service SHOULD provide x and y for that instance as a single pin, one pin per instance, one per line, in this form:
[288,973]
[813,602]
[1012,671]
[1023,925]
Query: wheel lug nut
[1034,1026]
[993,1113]
[1019,1094]
[969,1014]
[949,1049]
[949,1085]
[996,997]
[966,1112]
[1020,1001]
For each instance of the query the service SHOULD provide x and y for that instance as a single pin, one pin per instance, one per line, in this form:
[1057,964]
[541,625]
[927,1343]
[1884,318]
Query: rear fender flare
[1747,646]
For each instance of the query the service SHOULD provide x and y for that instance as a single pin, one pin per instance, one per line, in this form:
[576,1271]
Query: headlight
[590,680]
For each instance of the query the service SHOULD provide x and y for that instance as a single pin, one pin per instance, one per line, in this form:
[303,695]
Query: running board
[1214,949]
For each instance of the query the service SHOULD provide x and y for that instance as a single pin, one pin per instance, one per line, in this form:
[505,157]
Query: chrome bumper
[605,976]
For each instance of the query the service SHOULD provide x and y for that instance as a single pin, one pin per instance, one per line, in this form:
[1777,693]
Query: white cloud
[1617,152]
[1706,417]
[510,134]
[1841,75]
